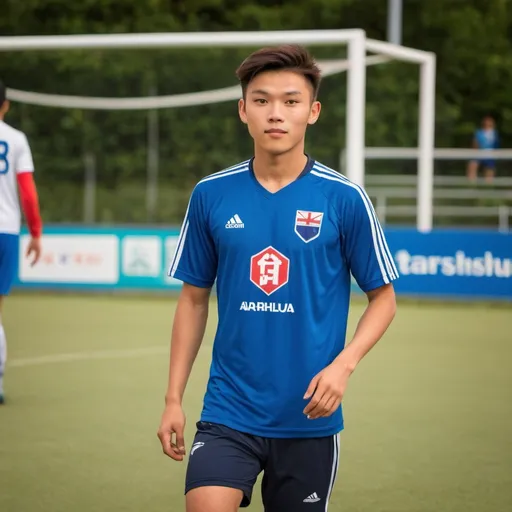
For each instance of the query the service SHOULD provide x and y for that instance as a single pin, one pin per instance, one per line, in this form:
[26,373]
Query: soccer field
[428,412]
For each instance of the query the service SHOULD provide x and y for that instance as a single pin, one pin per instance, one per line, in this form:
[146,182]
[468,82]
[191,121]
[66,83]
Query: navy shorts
[8,261]
[298,474]
[486,164]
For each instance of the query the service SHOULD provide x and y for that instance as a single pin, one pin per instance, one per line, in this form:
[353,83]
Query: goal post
[357,47]
[426,123]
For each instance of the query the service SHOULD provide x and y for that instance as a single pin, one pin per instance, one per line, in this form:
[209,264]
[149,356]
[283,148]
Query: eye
[292,102]
[260,101]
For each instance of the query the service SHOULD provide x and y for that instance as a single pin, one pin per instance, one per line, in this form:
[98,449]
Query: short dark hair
[291,57]
[2,93]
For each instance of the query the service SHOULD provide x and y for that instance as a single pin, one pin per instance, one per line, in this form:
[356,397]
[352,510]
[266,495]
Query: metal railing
[387,190]
[384,190]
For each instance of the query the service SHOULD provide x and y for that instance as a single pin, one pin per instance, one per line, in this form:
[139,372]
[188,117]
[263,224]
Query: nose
[275,114]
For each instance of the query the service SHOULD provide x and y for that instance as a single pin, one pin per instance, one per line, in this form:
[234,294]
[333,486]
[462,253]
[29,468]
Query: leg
[222,469]
[3,354]
[472,170]
[8,268]
[214,499]
[300,474]
[489,170]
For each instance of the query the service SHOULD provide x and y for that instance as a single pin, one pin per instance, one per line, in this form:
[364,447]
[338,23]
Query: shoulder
[12,136]
[336,185]
[209,189]
[8,130]
[223,178]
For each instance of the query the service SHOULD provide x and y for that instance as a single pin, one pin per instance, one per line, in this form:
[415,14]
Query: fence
[455,200]
[385,190]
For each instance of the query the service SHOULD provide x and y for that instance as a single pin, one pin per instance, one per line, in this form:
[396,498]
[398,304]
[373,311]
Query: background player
[280,366]
[16,171]
[486,137]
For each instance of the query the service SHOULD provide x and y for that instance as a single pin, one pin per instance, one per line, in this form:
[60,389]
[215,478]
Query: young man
[280,234]
[486,137]
[16,171]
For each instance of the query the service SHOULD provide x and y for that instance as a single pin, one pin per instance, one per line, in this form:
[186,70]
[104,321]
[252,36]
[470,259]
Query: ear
[314,114]
[241,111]
[5,107]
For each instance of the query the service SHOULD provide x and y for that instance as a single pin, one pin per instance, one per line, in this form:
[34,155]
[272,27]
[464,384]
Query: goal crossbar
[178,39]
[357,45]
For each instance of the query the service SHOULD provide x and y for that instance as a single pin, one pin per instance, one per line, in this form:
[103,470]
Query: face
[277,109]
[488,123]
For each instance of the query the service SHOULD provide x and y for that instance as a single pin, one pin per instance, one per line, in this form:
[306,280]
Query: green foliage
[471,39]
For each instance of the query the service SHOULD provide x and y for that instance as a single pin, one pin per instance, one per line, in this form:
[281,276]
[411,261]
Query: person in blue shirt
[280,235]
[486,137]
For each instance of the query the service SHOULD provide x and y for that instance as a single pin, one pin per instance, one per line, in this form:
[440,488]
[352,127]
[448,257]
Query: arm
[372,325]
[30,203]
[370,261]
[28,195]
[328,387]
[194,263]
[30,206]
[187,335]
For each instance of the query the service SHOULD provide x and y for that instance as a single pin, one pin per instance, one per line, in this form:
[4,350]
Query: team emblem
[269,270]
[308,224]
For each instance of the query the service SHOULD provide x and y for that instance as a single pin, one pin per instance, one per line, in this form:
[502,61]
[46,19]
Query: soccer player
[281,234]
[16,172]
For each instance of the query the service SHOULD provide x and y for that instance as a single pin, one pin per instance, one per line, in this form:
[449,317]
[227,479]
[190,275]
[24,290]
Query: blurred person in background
[485,137]
[16,176]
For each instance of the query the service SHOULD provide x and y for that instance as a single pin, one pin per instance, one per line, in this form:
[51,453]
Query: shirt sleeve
[30,203]
[24,162]
[365,247]
[195,258]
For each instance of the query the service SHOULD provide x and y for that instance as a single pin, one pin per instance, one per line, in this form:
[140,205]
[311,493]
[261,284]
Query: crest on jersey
[308,224]
[270,270]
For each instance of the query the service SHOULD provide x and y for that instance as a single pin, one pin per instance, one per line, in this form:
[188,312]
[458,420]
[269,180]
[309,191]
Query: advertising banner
[72,259]
[460,264]
[101,258]
[453,263]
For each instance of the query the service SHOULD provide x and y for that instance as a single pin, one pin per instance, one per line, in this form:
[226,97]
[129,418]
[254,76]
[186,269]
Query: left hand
[326,391]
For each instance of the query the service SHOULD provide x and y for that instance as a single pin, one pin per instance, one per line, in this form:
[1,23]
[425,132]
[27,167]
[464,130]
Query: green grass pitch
[428,413]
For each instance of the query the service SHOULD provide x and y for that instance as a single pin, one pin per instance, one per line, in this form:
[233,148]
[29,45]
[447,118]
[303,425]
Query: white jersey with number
[15,158]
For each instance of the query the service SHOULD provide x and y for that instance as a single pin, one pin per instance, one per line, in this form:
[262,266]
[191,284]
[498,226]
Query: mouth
[275,133]
[275,130]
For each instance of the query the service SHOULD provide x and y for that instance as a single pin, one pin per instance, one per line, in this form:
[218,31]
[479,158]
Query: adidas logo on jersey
[312,498]
[235,222]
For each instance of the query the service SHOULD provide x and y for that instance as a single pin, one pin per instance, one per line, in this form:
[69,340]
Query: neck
[280,169]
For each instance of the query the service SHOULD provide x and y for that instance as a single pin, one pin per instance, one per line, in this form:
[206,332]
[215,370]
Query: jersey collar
[304,172]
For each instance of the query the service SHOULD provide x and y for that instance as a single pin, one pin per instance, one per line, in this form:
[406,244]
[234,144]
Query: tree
[471,40]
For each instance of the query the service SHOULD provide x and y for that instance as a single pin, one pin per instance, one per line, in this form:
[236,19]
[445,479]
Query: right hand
[171,431]
[34,247]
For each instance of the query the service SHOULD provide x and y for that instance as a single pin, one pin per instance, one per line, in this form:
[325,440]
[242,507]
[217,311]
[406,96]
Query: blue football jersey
[487,139]
[282,263]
